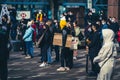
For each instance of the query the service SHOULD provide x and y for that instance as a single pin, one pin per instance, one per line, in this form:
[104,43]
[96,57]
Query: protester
[4,50]
[106,55]
[66,53]
[28,40]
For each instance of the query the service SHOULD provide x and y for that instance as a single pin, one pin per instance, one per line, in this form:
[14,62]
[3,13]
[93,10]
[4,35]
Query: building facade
[54,8]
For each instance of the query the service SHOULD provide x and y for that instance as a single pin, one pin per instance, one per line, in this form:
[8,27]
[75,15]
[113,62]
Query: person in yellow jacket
[39,16]
[62,22]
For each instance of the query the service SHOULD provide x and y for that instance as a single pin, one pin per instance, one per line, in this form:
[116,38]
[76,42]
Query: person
[35,32]
[76,39]
[94,46]
[28,40]
[45,43]
[56,29]
[118,38]
[66,53]
[20,33]
[114,25]
[4,50]
[103,26]
[106,56]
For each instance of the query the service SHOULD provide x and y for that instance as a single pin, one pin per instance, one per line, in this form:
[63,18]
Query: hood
[108,35]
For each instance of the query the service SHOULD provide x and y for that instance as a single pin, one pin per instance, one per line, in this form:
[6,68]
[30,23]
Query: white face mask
[112,20]
[89,23]
[103,23]
[89,29]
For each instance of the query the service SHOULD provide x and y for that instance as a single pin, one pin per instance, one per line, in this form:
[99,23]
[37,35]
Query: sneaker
[67,68]
[27,57]
[74,58]
[42,65]
[61,69]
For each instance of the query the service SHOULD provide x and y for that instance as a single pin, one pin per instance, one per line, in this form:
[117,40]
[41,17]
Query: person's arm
[102,55]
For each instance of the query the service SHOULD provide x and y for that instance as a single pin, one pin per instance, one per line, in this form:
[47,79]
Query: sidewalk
[28,69]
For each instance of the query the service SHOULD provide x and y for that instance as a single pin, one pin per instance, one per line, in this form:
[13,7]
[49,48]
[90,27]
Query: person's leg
[44,55]
[3,70]
[24,48]
[69,58]
[31,49]
[27,46]
[62,57]
[62,67]
[57,53]
[70,54]
[49,57]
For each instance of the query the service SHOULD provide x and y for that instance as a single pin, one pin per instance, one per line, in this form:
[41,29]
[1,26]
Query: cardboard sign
[57,40]
[68,41]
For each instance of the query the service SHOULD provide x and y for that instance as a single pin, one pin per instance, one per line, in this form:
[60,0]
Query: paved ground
[28,69]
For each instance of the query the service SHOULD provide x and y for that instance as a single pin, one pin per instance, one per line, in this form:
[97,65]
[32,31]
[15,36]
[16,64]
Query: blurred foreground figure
[4,50]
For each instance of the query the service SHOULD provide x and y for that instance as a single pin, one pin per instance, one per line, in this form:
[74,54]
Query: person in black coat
[4,50]
[46,42]
[94,45]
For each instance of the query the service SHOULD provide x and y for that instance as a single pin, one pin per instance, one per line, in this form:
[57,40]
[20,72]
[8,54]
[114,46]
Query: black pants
[3,69]
[24,47]
[95,67]
[57,53]
[44,53]
[66,58]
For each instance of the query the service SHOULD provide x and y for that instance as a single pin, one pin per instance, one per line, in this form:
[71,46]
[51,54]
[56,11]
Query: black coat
[48,37]
[65,32]
[95,44]
[4,39]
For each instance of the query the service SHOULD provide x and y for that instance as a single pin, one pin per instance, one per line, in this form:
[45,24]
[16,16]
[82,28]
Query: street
[28,69]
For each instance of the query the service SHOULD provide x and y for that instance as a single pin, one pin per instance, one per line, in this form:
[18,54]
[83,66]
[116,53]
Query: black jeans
[66,58]
[57,53]
[3,69]
[94,67]
[44,53]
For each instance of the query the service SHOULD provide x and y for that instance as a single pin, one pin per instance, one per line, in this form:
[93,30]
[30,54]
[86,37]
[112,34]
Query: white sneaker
[27,57]
[74,58]
[42,65]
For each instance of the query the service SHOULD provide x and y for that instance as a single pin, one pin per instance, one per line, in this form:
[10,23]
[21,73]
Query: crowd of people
[100,34]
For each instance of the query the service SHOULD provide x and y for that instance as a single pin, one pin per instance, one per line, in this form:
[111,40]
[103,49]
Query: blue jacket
[28,34]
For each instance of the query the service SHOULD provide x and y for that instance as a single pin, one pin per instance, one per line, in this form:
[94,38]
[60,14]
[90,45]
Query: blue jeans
[29,47]
[49,57]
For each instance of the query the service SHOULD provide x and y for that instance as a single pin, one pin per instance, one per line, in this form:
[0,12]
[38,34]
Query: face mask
[112,20]
[89,29]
